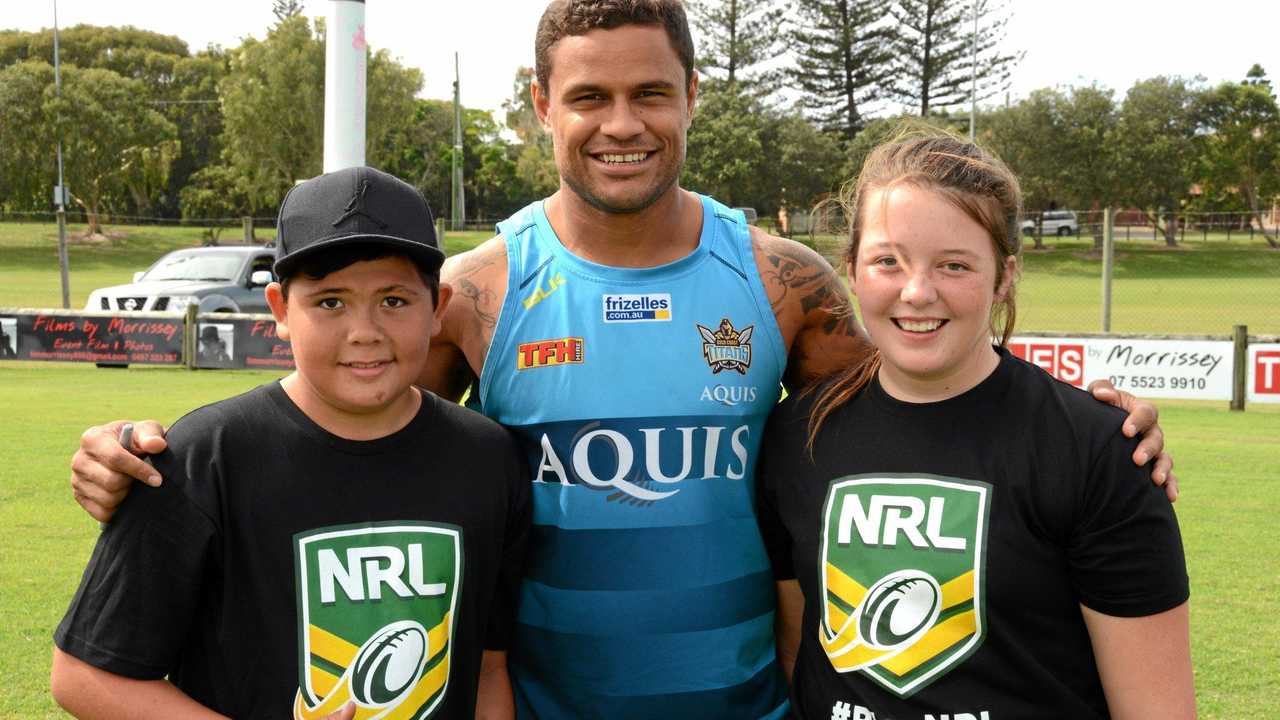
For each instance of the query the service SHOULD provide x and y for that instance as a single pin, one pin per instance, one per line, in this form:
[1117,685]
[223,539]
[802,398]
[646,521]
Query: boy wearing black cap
[337,536]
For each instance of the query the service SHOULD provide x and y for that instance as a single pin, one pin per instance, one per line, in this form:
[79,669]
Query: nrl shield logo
[903,574]
[375,617]
[726,348]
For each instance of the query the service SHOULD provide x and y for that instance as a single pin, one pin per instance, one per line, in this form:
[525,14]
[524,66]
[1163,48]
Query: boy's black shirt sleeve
[146,579]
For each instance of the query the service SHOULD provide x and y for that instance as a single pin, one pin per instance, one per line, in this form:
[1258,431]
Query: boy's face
[360,338]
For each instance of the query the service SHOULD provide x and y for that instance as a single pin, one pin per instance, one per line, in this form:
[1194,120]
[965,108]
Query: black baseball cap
[354,205]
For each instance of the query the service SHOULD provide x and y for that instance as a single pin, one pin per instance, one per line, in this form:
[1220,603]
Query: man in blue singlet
[634,335]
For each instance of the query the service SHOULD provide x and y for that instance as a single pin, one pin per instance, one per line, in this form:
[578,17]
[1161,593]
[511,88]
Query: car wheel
[112,365]
[1064,231]
[1028,232]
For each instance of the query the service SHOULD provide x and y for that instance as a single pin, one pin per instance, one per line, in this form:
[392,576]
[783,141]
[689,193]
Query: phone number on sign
[1157,382]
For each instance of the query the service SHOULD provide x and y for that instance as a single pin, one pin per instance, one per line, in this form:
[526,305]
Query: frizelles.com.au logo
[650,307]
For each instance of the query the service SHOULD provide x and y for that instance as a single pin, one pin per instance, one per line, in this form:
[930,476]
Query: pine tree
[736,36]
[843,60]
[934,42]
[285,9]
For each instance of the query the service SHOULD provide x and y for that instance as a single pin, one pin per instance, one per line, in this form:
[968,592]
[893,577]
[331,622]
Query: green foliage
[1154,146]
[803,161]
[724,155]
[535,154]
[114,147]
[1238,143]
[26,135]
[843,60]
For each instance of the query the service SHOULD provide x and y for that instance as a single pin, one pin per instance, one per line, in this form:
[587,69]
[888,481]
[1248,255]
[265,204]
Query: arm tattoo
[789,271]
[482,299]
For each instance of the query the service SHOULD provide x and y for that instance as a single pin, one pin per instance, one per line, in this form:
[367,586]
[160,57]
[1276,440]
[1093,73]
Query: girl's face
[925,278]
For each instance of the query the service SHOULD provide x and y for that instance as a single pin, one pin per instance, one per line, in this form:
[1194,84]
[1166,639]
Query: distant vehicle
[750,213]
[1055,222]
[226,278]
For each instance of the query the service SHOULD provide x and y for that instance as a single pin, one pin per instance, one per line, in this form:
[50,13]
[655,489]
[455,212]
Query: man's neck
[664,232]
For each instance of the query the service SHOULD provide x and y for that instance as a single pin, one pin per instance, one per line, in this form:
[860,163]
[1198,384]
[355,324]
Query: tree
[27,140]
[736,36]
[273,104]
[1154,149]
[156,60]
[285,9]
[1239,144]
[935,47]
[1085,141]
[114,148]
[843,60]
[536,159]
[802,163]
[215,194]
[1024,136]
[724,156]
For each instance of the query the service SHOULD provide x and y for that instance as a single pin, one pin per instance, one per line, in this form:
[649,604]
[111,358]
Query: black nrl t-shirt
[281,570]
[943,549]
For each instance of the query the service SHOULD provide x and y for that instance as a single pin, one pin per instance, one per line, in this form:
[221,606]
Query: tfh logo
[1266,372]
[1065,362]
[546,353]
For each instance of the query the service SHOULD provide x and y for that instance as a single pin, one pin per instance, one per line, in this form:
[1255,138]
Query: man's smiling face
[618,108]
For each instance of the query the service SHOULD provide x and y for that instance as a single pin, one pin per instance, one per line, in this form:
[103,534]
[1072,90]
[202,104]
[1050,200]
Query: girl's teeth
[920,326]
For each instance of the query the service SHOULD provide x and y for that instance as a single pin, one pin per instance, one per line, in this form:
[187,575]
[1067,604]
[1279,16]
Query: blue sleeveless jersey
[640,396]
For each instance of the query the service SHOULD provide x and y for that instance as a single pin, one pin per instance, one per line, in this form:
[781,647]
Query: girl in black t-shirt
[954,532]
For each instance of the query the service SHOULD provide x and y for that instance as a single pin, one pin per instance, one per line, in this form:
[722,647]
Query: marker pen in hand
[126,442]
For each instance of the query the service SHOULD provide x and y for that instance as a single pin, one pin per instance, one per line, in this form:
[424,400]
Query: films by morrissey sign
[136,338]
[1166,368]
[240,341]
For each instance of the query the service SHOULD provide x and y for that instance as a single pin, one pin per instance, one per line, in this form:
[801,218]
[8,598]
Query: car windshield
[196,266]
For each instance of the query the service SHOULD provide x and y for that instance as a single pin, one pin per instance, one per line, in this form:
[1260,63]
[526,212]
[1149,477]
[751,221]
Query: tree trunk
[1257,217]
[1168,229]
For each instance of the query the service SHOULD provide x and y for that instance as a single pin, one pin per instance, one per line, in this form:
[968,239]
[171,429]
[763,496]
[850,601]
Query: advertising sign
[1263,373]
[1191,369]
[136,338]
[240,341]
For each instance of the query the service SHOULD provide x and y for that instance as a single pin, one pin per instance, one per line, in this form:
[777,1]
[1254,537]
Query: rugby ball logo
[389,663]
[898,609]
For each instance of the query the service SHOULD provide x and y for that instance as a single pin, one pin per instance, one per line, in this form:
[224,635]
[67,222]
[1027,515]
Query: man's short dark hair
[563,18]
[327,262]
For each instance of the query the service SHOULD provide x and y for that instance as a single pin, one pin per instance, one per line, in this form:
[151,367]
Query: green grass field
[1225,460]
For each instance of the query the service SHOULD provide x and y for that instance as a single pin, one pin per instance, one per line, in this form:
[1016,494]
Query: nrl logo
[726,348]
[903,576]
[375,617]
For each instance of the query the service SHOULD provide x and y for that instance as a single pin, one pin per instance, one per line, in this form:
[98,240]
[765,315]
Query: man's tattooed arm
[478,278]
[813,310]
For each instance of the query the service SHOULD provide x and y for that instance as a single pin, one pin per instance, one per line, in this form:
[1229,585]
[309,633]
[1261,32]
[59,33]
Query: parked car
[226,278]
[1055,222]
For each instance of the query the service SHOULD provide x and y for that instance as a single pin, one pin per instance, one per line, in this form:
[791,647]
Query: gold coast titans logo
[726,348]
[375,618]
[903,566]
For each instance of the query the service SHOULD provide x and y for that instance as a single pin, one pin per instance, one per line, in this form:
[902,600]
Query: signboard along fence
[212,341]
